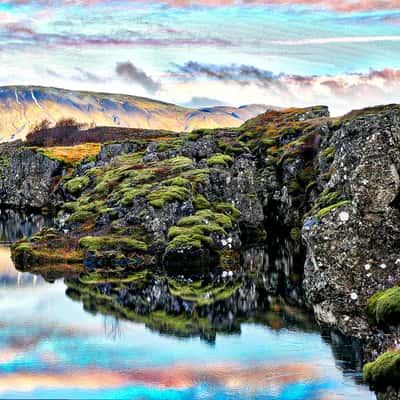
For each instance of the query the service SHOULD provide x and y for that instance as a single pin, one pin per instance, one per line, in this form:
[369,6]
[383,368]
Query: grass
[71,155]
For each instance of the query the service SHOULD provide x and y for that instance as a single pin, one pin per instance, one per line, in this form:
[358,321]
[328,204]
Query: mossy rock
[383,308]
[107,243]
[200,202]
[219,159]
[160,196]
[384,371]
[328,153]
[77,185]
[327,210]
[80,217]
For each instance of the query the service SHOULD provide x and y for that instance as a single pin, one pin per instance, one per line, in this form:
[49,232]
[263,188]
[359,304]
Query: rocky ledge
[191,203]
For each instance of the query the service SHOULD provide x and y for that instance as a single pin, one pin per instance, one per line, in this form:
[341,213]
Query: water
[52,348]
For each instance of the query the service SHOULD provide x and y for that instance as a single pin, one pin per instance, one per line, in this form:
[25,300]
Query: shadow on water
[265,291]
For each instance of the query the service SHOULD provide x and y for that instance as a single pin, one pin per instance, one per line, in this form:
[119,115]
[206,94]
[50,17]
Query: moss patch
[77,185]
[383,308]
[219,159]
[384,371]
[158,197]
[106,243]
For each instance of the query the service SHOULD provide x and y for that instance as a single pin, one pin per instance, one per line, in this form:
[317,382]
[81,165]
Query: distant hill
[24,107]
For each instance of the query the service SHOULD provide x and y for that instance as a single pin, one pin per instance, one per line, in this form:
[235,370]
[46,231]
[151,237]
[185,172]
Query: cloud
[341,92]
[81,75]
[87,76]
[342,6]
[239,73]
[131,73]
[332,40]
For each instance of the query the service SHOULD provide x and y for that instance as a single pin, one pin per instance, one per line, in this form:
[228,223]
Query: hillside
[23,107]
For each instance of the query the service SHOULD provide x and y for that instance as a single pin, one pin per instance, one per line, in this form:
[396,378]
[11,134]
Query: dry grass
[72,154]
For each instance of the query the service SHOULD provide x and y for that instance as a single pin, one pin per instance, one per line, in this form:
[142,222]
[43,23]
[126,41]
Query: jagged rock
[26,177]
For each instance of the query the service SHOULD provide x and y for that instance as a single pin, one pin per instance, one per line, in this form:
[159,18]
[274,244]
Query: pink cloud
[343,6]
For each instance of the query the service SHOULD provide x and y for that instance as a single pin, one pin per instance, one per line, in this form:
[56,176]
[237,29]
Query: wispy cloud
[332,40]
[345,6]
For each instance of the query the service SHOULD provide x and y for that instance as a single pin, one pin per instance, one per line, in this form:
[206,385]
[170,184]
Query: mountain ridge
[24,107]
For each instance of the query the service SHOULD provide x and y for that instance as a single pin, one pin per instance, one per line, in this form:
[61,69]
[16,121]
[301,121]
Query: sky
[342,53]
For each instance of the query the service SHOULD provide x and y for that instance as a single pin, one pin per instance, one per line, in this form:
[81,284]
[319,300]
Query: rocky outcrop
[354,250]
[26,177]
[192,203]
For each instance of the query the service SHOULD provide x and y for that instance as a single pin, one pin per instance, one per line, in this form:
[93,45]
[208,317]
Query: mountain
[23,107]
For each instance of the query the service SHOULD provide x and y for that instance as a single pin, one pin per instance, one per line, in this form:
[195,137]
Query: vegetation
[68,132]
[384,371]
[70,155]
[77,185]
[326,210]
[383,308]
[104,243]
[219,159]
[194,231]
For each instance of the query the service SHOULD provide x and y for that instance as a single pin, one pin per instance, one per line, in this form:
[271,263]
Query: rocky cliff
[192,203]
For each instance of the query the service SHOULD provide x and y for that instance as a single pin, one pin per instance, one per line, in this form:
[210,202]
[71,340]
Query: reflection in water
[13,226]
[52,348]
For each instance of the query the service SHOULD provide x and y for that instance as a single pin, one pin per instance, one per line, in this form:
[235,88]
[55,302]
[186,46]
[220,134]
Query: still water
[52,348]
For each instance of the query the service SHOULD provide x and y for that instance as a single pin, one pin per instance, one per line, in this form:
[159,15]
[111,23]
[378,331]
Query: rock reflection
[13,226]
[198,306]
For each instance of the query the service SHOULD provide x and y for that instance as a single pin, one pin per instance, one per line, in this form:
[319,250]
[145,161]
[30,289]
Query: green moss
[77,185]
[384,371]
[383,308]
[328,153]
[130,194]
[105,243]
[200,202]
[219,159]
[177,181]
[202,293]
[158,197]
[22,247]
[199,175]
[228,208]
[188,237]
[295,234]
[193,231]
[80,216]
[326,210]
[178,164]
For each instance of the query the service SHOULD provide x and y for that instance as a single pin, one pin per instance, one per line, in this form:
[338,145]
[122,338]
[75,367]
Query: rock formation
[191,203]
